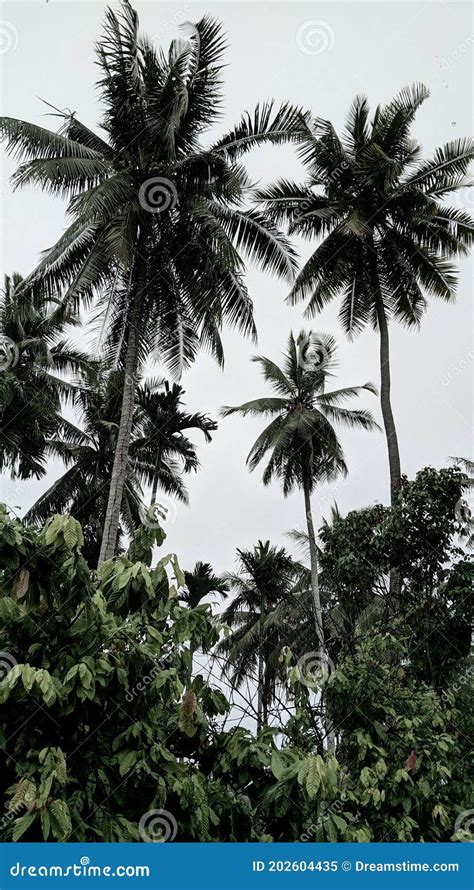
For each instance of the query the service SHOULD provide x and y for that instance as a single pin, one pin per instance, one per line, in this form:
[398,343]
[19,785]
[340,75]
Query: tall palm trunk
[260,678]
[387,414]
[389,424]
[318,618]
[155,478]
[260,693]
[313,555]
[119,470]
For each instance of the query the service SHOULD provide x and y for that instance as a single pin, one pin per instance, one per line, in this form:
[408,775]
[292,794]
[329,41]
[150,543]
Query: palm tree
[301,440]
[158,224]
[386,230]
[163,422]
[88,453]
[266,578]
[202,582]
[33,357]
[199,583]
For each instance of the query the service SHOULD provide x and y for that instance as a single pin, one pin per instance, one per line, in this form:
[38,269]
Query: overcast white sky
[318,55]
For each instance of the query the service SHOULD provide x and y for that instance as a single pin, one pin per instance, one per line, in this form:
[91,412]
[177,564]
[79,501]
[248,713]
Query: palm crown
[151,206]
[266,578]
[36,356]
[301,439]
[380,212]
[162,425]
[159,453]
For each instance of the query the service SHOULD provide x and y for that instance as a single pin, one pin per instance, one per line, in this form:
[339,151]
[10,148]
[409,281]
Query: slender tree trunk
[390,429]
[313,554]
[119,470]
[387,414]
[155,478]
[265,699]
[318,618]
[260,677]
[260,693]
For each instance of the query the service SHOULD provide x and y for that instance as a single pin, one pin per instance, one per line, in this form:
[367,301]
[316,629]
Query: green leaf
[22,824]
[60,819]
[313,778]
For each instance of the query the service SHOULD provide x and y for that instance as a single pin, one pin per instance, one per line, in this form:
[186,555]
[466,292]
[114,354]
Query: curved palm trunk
[119,470]
[389,425]
[387,414]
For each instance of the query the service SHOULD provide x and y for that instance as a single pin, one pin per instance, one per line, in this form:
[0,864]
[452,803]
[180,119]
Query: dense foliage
[103,719]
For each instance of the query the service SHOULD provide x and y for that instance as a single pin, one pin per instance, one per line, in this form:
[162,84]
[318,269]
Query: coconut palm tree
[33,357]
[385,228]
[265,578]
[162,423]
[300,440]
[88,453]
[158,225]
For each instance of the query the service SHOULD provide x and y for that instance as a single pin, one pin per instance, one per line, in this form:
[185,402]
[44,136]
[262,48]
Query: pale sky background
[375,48]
